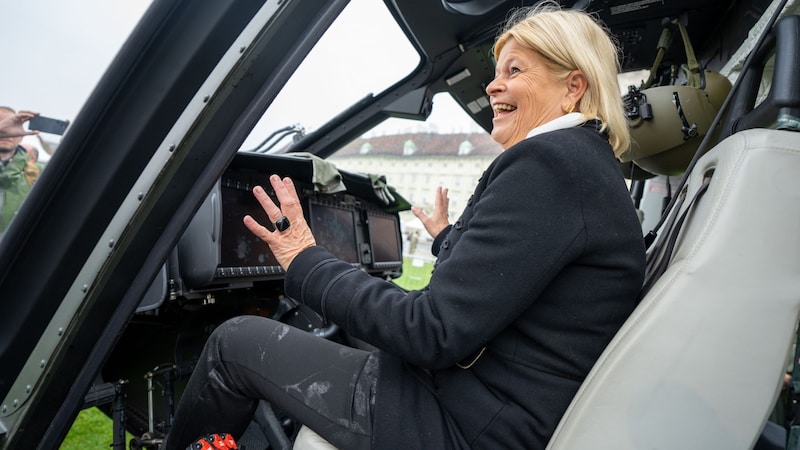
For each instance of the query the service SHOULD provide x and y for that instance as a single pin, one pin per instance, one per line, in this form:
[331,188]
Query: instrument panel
[351,221]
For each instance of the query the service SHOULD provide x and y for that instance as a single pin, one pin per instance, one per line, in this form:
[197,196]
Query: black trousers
[327,386]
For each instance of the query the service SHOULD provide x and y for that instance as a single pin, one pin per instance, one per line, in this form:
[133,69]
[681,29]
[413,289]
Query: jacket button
[445,244]
[458,224]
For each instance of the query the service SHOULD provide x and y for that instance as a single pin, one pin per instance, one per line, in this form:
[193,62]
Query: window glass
[357,66]
[55,53]
[417,157]
[58,53]
[345,66]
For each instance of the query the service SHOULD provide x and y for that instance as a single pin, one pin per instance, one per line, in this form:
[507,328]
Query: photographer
[14,186]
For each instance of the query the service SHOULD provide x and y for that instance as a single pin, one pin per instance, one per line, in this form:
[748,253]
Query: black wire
[274,133]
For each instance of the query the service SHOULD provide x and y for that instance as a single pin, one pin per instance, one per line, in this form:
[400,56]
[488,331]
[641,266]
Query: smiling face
[524,94]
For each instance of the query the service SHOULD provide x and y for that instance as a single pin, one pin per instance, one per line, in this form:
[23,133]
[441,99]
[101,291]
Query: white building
[416,164]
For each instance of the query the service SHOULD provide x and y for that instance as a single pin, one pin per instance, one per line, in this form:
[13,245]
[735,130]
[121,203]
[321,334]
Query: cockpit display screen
[335,229]
[383,237]
[240,248]
[353,229]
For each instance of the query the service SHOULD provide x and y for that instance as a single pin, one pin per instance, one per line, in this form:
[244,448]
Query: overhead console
[353,216]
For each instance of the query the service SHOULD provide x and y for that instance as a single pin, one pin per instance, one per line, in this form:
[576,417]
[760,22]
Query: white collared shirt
[566,121]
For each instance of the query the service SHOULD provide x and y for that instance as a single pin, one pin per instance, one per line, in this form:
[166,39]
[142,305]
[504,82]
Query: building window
[365,148]
[409,148]
[465,148]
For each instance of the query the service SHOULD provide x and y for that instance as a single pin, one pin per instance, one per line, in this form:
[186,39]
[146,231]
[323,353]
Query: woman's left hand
[295,238]
[439,218]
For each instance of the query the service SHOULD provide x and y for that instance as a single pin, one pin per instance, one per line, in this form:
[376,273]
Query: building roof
[427,144]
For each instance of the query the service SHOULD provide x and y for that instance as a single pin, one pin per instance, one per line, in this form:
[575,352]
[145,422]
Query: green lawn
[416,274]
[91,430]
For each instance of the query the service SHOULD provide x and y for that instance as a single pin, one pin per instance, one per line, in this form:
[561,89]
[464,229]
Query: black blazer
[530,285]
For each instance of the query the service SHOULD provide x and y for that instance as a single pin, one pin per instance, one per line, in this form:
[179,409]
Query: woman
[530,285]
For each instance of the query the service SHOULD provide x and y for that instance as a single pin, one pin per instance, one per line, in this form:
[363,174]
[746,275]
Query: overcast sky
[57,50]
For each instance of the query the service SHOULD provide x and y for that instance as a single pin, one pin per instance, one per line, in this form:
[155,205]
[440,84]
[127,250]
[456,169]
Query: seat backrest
[699,363]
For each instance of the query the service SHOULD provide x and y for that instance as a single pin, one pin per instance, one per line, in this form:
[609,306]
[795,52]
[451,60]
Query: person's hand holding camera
[12,126]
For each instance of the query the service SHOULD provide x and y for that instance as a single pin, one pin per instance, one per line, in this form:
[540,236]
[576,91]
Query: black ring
[282,224]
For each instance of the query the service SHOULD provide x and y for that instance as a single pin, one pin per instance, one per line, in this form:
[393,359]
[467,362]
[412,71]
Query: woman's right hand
[438,220]
[288,242]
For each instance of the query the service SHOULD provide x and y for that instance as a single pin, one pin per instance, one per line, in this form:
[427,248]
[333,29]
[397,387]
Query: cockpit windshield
[345,66]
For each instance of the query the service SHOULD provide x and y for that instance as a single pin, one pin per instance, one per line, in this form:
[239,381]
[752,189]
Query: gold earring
[569,108]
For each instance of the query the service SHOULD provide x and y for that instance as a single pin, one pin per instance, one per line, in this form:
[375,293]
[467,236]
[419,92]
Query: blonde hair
[570,40]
